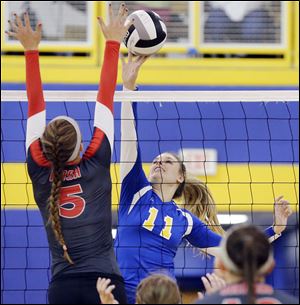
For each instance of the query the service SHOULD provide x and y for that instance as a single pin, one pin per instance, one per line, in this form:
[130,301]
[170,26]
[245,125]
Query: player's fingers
[121,10]
[288,211]
[285,203]
[200,295]
[123,20]
[98,284]
[27,20]
[206,283]
[39,28]
[211,280]
[13,25]
[11,34]
[18,21]
[279,198]
[220,282]
[141,60]
[101,23]
[125,14]
[109,289]
[130,57]
[103,284]
[107,282]
[129,24]
[110,12]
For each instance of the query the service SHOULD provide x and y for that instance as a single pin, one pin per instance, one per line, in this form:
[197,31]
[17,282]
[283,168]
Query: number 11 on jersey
[149,223]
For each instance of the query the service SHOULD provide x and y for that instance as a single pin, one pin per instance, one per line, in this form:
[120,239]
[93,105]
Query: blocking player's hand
[282,211]
[117,25]
[105,291]
[29,38]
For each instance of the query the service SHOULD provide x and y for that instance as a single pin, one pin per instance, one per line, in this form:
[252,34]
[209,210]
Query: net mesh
[252,147]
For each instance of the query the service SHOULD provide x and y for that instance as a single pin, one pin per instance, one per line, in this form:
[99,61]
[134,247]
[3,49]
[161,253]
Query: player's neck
[164,191]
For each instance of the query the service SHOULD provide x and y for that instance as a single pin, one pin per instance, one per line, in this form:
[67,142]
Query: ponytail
[250,270]
[247,253]
[198,199]
[58,141]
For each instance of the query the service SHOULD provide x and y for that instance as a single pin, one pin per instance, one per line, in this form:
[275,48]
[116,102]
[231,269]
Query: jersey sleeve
[134,182]
[101,145]
[36,119]
[198,234]
[270,233]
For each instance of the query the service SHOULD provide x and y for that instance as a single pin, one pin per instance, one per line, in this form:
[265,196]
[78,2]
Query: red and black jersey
[85,196]
[237,294]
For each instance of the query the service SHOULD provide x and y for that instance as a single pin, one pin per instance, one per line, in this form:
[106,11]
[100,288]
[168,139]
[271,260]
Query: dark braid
[249,249]
[58,141]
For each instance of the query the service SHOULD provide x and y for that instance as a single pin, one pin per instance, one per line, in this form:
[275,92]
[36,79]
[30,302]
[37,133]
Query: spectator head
[158,289]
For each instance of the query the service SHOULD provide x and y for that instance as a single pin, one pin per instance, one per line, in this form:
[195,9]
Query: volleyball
[147,35]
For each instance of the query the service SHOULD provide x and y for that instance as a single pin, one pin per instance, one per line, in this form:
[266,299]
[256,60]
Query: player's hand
[212,283]
[130,70]
[105,291]
[29,38]
[117,25]
[282,211]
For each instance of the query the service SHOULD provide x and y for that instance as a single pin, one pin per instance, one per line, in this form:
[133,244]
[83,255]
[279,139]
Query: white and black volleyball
[147,34]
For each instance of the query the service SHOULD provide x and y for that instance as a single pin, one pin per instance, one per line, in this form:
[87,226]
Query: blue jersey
[149,231]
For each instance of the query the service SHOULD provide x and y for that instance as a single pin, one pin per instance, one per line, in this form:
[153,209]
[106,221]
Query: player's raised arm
[30,41]
[129,148]
[133,178]
[113,32]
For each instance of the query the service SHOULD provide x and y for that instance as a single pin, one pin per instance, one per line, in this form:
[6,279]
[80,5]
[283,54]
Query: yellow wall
[236,187]
[165,71]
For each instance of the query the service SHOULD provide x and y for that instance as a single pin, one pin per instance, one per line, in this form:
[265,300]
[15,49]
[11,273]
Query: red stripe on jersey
[38,155]
[109,73]
[95,144]
[34,88]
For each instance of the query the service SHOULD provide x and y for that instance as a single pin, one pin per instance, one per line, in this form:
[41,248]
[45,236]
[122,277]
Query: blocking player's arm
[101,145]
[36,105]
[30,40]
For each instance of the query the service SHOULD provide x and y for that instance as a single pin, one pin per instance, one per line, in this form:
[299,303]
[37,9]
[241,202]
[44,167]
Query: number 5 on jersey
[149,223]
[69,196]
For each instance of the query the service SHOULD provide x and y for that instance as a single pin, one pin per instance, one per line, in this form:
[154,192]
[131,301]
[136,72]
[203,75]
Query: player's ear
[81,147]
[180,178]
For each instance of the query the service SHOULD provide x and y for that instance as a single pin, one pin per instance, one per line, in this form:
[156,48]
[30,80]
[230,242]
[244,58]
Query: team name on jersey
[69,175]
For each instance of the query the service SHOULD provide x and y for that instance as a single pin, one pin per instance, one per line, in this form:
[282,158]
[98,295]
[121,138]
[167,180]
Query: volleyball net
[242,144]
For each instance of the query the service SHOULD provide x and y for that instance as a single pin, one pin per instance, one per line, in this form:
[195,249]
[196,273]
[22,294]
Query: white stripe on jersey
[104,120]
[36,125]
[129,149]
[190,222]
[137,196]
